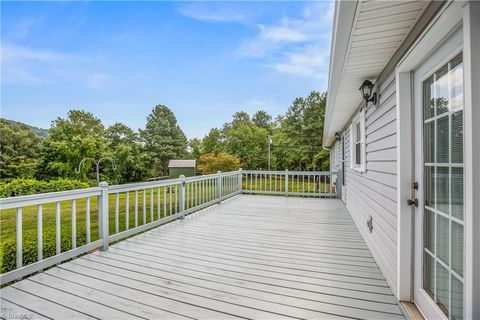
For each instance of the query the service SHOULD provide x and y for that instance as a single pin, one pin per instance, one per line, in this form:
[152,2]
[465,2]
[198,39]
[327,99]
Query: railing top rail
[291,172]
[142,185]
[163,183]
[41,198]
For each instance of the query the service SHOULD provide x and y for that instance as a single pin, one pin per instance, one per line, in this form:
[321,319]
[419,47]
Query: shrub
[21,187]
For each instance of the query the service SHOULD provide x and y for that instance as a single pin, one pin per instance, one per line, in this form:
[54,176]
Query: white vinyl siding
[373,192]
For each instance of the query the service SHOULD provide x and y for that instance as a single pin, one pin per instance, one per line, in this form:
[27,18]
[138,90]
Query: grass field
[29,217]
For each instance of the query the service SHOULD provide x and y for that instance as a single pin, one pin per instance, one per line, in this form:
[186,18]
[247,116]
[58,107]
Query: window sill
[360,170]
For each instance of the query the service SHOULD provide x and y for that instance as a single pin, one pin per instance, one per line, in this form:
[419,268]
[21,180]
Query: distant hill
[42,133]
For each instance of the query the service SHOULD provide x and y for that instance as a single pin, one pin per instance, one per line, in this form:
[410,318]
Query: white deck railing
[293,183]
[125,210]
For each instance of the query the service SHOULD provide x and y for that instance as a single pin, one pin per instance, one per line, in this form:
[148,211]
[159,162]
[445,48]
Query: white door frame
[449,49]
[451,16]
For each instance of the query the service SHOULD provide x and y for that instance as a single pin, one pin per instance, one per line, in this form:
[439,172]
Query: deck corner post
[286,182]
[219,186]
[103,215]
[240,180]
[182,196]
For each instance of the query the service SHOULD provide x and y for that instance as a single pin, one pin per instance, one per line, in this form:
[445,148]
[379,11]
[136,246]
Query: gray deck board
[252,257]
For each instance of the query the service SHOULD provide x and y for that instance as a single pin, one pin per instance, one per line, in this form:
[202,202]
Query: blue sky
[204,60]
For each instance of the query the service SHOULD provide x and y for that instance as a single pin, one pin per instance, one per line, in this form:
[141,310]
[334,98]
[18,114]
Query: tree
[78,136]
[195,148]
[127,154]
[213,142]
[163,140]
[249,143]
[212,163]
[300,135]
[262,119]
[19,148]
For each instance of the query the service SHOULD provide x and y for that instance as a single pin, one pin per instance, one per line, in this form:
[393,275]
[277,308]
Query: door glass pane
[429,186]
[457,192]
[429,101]
[457,137]
[443,228]
[429,229]
[429,274]
[457,298]
[457,247]
[443,235]
[456,83]
[429,140]
[442,140]
[442,283]
[442,178]
[441,90]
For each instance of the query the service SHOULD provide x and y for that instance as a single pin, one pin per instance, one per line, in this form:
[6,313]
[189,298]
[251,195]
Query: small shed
[178,167]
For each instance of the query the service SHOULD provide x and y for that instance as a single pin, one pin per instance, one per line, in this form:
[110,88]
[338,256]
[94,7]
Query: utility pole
[97,164]
[269,144]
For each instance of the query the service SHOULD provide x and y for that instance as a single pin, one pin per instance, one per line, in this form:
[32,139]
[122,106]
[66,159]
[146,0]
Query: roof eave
[345,13]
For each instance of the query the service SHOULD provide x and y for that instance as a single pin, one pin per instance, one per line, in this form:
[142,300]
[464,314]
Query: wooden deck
[252,257]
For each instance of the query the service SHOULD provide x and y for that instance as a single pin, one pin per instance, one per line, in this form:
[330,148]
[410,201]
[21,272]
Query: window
[357,142]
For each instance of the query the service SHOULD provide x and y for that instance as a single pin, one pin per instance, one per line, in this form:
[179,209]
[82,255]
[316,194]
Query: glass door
[442,209]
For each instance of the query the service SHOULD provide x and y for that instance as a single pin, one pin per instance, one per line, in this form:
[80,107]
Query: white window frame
[358,119]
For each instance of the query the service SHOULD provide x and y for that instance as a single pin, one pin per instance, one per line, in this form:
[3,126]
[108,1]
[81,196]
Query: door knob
[412,202]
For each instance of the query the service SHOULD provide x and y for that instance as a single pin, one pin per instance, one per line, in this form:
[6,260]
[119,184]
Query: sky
[204,60]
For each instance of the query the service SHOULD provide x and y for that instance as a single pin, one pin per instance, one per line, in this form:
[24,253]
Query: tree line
[296,144]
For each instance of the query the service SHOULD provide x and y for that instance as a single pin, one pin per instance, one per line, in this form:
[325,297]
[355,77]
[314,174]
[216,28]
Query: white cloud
[309,62]
[96,79]
[216,13]
[295,45]
[11,52]
[34,66]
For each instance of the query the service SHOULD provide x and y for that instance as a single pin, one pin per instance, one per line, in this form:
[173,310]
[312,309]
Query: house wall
[374,192]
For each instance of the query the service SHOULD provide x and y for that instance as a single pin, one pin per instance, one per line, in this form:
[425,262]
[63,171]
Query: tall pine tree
[163,139]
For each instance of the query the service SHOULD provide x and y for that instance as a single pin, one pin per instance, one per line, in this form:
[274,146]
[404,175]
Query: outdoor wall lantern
[366,90]
[337,136]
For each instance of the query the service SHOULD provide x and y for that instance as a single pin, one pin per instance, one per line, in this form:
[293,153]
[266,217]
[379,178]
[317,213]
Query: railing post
[103,215]
[240,180]
[286,182]
[182,196]
[219,186]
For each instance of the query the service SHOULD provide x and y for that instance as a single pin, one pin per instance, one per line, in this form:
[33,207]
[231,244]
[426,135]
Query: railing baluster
[176,197]
[39,232]
[136,208]
[151,205]
[117,204]
[303,183]
[158,203]
[74,224]
[87,219]
[164,201]
[197,193]
[170,192]
[58,247]
[144,206]
[127,209]
[308,185]
[19,244]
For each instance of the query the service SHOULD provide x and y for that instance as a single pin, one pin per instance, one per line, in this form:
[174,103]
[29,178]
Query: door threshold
[411,311]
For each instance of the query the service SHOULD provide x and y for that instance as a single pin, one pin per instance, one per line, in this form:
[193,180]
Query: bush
[21,187]
[211,163]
